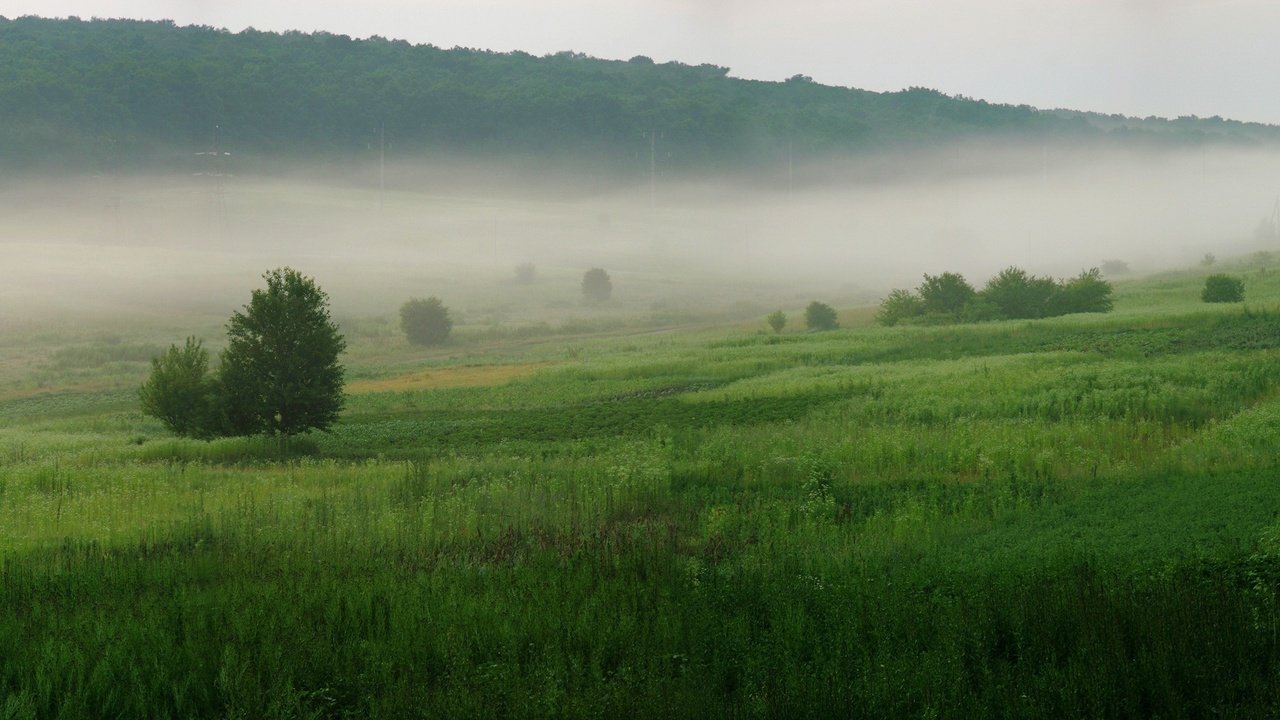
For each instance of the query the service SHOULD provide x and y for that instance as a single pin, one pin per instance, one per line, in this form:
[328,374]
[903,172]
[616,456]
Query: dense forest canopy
[114,94]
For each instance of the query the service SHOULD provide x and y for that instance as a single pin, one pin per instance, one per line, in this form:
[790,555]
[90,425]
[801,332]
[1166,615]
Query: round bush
[1222,288]
[820,316]
[425,322]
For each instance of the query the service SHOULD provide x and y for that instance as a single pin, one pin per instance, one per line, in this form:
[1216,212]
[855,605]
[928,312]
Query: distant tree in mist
[1208,260]
[596,285]
[777,320]
[1112,268]
[820,316]
[526,273]
[1222,289]
[945,294]
[425,322]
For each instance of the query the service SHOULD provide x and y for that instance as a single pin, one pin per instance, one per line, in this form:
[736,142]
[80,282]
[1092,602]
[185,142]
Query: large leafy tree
[280,373]
[947,293]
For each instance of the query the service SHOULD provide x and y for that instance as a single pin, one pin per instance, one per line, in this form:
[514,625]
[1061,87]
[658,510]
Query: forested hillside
[114,94]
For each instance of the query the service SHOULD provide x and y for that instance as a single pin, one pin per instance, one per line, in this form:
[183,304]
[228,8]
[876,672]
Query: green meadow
[1070,517]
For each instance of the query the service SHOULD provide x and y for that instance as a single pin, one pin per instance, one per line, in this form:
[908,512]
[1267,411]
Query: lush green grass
[1071,517]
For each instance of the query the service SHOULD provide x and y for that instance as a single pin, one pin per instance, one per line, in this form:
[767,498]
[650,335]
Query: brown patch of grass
[448,377]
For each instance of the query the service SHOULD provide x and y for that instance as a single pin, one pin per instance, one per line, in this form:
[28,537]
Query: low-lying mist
[96,248]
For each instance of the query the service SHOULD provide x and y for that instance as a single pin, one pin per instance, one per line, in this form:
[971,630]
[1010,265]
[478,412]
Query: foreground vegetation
[1060,517]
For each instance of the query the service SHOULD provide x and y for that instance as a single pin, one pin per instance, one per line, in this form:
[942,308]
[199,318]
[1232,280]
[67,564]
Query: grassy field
[1075,517]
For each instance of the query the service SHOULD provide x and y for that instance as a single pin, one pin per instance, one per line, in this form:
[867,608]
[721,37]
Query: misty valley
[925,420]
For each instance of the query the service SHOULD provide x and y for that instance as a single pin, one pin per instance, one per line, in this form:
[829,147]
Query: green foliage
[1222,288]
[1017,295]
[945,294]
[1085,293]
[179,391]
[1071,518]
[300,94]
[1111,268]
[425,322]
[820,316]
[526,273]
[776,320]
[596,285]
[980,309]
[898,306]
[280,373]
[1011,294]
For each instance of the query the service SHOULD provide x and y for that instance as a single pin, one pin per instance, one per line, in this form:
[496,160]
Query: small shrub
[180,392]
[1222,288]
[898,306]
[425,322]
[596,285]
[820,316]
[777,320]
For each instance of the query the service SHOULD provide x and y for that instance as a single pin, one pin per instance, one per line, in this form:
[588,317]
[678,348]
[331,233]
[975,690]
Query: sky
[1136,57]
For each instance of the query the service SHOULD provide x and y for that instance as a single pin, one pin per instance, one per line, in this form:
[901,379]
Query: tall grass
[1069,518]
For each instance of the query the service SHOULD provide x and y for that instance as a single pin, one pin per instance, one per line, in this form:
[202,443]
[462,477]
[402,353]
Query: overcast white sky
[1138,57]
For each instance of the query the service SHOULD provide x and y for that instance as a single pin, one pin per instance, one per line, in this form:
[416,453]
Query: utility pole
[111,181]
[791,174]
[653,135]
[217,172]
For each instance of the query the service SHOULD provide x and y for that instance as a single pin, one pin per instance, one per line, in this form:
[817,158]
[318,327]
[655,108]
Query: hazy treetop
[1139,57]
[109,94]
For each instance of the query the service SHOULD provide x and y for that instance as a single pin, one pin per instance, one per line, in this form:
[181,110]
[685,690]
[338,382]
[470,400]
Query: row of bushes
[1011,294]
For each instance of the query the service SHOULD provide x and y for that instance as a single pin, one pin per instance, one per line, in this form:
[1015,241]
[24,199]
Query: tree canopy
[425,322]
[820,316]
[596,285]
[1222,288]
[113,93]
[1011,294]
[280,373]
